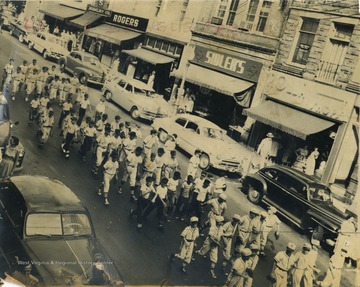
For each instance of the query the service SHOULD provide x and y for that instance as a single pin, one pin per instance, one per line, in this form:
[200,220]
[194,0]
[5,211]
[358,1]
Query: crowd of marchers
[158,185]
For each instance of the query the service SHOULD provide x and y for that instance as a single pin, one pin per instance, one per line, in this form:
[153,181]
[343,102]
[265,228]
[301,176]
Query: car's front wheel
[135,113]
[318,233]
[21,38]
[254,195]
[83,79]
[108,95]
[30,45]
[204,161]
[163,136]
[45,54]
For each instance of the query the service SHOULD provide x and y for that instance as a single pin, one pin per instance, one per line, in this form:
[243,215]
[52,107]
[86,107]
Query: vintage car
[47,236]
[85,66]
[301,199]
[136,97]
[48,45]
[7,16]
[218,150]
[18,30]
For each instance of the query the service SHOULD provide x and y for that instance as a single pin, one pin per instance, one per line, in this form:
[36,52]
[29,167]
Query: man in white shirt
[110,170]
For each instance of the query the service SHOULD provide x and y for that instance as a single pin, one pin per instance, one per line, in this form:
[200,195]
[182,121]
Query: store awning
[149,56]
[111,34]
[85,20]
[213,80]
[289,120]
[60,12]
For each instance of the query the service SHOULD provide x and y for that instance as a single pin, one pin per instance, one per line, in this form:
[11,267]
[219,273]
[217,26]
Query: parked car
[6,17]
[136,97]
[18,30]
[5,132]
[48,45]
[218,150]
[301,199]
[85,66]
[47,235]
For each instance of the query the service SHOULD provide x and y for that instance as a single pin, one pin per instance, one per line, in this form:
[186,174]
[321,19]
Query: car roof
[45,194]
[199,121]
[83,53]
[296,173]
[134,82]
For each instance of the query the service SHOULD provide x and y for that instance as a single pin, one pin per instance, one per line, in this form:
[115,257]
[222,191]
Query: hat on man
[291,246]
[273,209]
[307,246]
[236,217]
[164,180]
[254,211]
[246,252]
[270,135]
[219,218]
[223,196]
[263,214]
[194,219]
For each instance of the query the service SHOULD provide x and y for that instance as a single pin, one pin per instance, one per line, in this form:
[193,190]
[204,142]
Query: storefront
[93,17]
[219,78]
[303,117]
[59,15]
[119,32]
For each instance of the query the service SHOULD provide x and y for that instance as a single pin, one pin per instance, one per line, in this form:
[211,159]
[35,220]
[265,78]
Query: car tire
[204,161]
[30,45]
[11,32]
[254,195]
[318,233]
[163,136]
[108,95]
[21,38]
[134,113]
[45,54]
[83,79]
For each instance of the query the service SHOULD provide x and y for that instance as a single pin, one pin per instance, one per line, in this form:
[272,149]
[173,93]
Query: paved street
[142,258]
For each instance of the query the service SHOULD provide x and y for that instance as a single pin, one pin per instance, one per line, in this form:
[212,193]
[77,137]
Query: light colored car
[48,45]
[218,150]
[136,97]
[85,66]
[19,30]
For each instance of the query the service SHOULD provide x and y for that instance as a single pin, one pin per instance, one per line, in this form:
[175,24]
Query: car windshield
[320,193]
[212,133]
[58,224]
[148,93]
[92,60]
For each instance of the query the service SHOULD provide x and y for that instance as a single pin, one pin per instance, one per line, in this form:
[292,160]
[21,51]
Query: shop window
[165,46]
[250,17]
[172,48]
[262,21]
[179,50]
[158,44]
[181,122]
[306,38]
[151,42]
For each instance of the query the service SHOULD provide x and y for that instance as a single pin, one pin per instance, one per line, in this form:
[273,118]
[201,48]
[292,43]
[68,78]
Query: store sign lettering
[129,21]
[126,20]
[225,62]
[99,11]
[233,64]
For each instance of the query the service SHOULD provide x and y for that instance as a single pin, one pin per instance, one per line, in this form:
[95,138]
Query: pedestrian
[42,77]
[115,124]
[251,265]
[160,165]
[171,165]
[271,221]
[67,106]
[99,109]
[311,272]
[229,229]
[44,103]
[71,132]
[110,170]
[129,144]
[102,149]
[116,142]
[151,80]
[100,124]
[212,244]
[193,167]
[300,265]
[18,79]
[255,227]
[34,65]
[264,149]
[172,194]
[311,162]
[150,141]
[30,83]
[74,84]
[84,104]
[145,200]
[54,88]
[189,105]
[34,109]
[182,205]
[283,262]
[89,133]
[67,121]
[170,144]
[24,68]
[136,129]
[149,167]
[217,208]
[8,74]
[189,236]
[239,270]
[301,156]
[333,274]
[203,194]
[220,186]
[346,235]
[243,230]
[132,162]
[53,72]
[64,89]
[46,127]
[10,157]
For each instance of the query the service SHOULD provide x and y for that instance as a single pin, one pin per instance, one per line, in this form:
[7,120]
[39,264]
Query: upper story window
[263,16]
[267,4]
[232,12]
[222,8]
[306,38]
[250,17]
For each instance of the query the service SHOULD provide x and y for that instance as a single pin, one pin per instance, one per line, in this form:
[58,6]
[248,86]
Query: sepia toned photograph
[179,143]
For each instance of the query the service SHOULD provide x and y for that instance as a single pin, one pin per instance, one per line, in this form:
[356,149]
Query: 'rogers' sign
[128,21]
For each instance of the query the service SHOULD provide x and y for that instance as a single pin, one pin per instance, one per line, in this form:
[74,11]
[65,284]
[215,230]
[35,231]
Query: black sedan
[47,237]
[299,198]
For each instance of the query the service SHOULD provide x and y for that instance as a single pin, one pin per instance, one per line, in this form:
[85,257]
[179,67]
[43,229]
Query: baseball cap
[307,246]
[223,196]
[291,246]
[246,252]
[194,219]
[219,218]
[236,217]
[254,211]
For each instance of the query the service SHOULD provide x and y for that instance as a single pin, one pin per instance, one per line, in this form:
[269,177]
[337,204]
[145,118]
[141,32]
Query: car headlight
[219,156]
[91,74]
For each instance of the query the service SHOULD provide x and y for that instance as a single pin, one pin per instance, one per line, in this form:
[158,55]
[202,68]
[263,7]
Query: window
[252,10]
[232,12]
[178,50]
[267,4]
[129,88]
[222,8]
[151,42]
[158,44]
[306,39]
[181,122]
[165,46]
[262,21]
[192,126]
[122,84]
[172,48]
